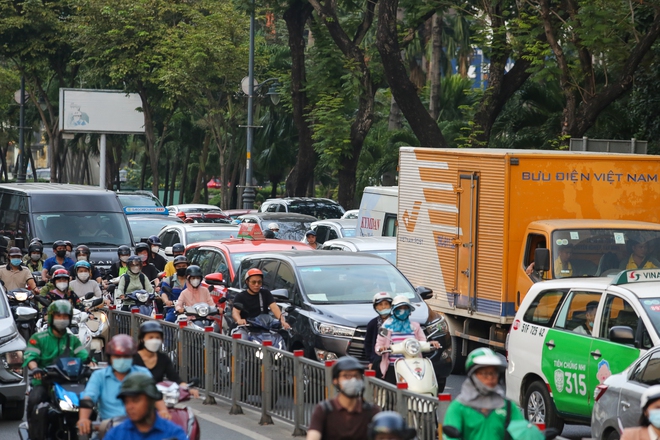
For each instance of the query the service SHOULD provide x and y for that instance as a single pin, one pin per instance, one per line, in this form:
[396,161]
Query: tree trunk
[202,166]
[167,179]
[184,175]
[31,159]
[143,174]
[394,121]
[175,172]
[403,90]
[434,68]
[298,179]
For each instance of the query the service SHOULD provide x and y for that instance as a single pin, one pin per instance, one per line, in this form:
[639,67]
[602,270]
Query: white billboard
[100,111]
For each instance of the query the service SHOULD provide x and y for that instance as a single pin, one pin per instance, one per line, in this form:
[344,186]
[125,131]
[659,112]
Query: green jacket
[44,348]
[475,425]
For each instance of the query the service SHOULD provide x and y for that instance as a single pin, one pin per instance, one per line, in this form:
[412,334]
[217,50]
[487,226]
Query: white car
[189,233]
[384,247]
[570,335]
[331,229]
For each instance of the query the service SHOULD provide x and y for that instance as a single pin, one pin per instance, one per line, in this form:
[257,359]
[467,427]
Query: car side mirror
[280,294]
[622,334]
[168,251]
[424,292]
[542,259]
[215,279]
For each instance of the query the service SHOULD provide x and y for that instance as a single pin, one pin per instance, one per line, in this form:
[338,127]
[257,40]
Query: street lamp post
[20,178]
[248,191]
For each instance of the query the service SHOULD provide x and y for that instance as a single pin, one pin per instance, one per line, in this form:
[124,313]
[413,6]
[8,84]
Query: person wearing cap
[255,300]
[16,276]
[481,411]
[347,415]
[649,421]
[397,328]
[310,239]
[639,257]
[590,315]
[562,265]
[178,249]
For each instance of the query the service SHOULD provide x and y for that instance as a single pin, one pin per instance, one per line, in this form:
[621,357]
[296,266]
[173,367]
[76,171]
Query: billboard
[100,111]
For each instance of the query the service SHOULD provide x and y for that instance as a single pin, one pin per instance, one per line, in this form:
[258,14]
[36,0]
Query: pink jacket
[190,298]
[384,342]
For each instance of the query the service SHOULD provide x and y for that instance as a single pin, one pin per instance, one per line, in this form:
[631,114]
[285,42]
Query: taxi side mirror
[622,334]
[541,259]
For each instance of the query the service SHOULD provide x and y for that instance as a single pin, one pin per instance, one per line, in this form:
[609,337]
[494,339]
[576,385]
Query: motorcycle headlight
[20,296]
[67,405]
[333,330]
[412,347]
[203,310]
[75,319]
[142,297]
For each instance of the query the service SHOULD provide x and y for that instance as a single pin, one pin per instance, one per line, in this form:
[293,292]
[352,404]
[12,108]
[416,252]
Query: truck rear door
[468,203]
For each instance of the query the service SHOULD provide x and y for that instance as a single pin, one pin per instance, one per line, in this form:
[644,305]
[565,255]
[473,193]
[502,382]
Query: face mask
[195,282]
[122,365]
[62,286]
[384,312]
[124,258]
[82,257]
[155,249]
[591,324]
[60,324]
[153,345]
[654,417]
[15,261]
[143,258]
[35,257]
[181,272]
[67,254]
[83,276]
[135,270]
[352,387]
[401,314]
[61,254]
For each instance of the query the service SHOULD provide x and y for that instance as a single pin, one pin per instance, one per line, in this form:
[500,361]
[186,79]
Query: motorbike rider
[82,284]
[172,287]
[177,249]
[398,328]
[389,425]
[60,249]
[194,292]
[61,279]
[254,301]
[139,395]
[649,420]
[150,341]
[347,415]
[142,251]
[44,347]
[16,276]
[34,260]
[69,248]
[104,384]
[154,257]
[133,280]
[382,304]
[83,253]
[120,267]
[481,410]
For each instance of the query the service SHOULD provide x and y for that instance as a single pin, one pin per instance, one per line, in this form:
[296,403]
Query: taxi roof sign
[128,210]
[250,231]
[637,276]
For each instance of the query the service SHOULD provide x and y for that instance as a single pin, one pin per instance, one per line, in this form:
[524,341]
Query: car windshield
[206,219]
[388,255]
[91,228]
[210,234]
[601,252]
[356,283]
[289,230]
[144,228]
[348,232]
[320,210]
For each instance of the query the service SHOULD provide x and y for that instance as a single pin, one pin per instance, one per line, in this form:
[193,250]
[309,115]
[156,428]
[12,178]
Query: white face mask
[153,345]
[82,257]
[83,276]
[68,254]
[135,269]
[143,258]
[155,249]
[195,282]
[62,286]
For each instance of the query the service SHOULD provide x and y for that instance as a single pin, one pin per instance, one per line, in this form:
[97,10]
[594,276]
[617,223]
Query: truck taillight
[599,391]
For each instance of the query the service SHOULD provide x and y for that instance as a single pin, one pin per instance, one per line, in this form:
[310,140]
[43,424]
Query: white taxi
[570,335]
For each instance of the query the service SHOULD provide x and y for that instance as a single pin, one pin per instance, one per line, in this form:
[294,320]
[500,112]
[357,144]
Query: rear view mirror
[25,313]
[280,294]
[89,295]
[215,279]
[168,251]
[424,292]
[541,259]
[622,334]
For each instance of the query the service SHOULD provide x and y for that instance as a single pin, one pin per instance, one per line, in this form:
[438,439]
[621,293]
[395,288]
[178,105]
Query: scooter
[413,369]
[24,310]
[217,286]
[97,323]
[184,417]
[264,328]
[201,315]
[141,299]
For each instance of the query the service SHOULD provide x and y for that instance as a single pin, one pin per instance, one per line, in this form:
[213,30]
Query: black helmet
[54,268]
[140,247]
[123,250]
[346,363]
[389,422]
[178,248]
[37,240]
[139,383]
[150,327]
[134,260]
[179,259]
[35,247]
[194,271]
[83,249]
[154,240]
[58,243]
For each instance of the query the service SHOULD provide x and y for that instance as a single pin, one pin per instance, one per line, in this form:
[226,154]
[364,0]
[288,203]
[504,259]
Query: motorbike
[549,433]
[184,417]
[66,381]
[202,315]
[141,299]
[413,369]
[217,286]
[24,310]
[38,279]
[264,328]
[97,322]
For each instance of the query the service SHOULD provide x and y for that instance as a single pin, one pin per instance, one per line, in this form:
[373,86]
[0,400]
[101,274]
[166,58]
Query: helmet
[140,247]
[134,260]
[139,383]
[54,269]
[252,273]
[83,249]
[380,297]
[194,271]
[67,243]
[400,301]
[154,240]
[389,422]
[483,357]
[346,363]
[80,264]
[37,240]
[273,226]
[60,306]
[150,327]
[178,247]
[35,247]
[123,250]
[61,273]
[651,394]
[58,243]
[179,259]
[120,345]
[15,251]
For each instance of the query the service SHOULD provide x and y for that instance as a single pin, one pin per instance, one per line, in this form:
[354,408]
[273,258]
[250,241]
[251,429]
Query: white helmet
[380,297]
[652,393]
[273,226]
[401,300]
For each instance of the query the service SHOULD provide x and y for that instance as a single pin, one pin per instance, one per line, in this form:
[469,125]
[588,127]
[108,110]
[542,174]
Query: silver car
[616,400]
[12,381]
[189,233]
[384,247]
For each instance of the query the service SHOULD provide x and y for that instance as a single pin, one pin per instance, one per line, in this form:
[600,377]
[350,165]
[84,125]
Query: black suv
[327,297]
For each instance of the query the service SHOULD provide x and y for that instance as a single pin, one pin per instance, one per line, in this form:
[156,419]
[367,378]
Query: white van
[378,208]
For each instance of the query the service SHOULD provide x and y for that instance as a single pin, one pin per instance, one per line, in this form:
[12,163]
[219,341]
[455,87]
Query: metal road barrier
[279,384]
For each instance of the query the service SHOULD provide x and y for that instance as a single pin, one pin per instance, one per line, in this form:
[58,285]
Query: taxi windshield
[602,252]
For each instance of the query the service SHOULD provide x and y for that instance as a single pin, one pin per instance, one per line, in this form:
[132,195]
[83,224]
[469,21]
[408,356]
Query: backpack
[127,280]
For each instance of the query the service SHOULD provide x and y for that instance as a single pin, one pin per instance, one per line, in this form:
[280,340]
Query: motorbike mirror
[96,302]
[42,300]
[89,295]
[238,306]
[222,300]
[161,275]
[25,313]
[451,431]
[215,279]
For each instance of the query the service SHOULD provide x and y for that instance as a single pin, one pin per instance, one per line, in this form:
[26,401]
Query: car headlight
[412,347]
[324,355]
[20,296]
[142,297]
[333,329]
[13,360]
[67,405]
[203,310]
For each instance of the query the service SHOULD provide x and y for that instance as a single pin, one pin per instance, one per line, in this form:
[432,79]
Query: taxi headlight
[412,347]
[142,297]
[203,310]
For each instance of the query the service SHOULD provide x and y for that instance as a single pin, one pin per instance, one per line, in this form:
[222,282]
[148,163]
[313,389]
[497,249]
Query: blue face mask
[385,312]
[654,417]
[122,365]
[402,314]
[15,261]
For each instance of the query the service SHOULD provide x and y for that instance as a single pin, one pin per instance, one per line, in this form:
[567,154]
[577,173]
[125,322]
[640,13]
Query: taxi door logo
[410,220]
[559,380]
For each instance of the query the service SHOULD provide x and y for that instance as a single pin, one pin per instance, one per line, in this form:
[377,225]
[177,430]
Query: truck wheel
[457,359]
[13,410]
[539,407]
[442,383]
